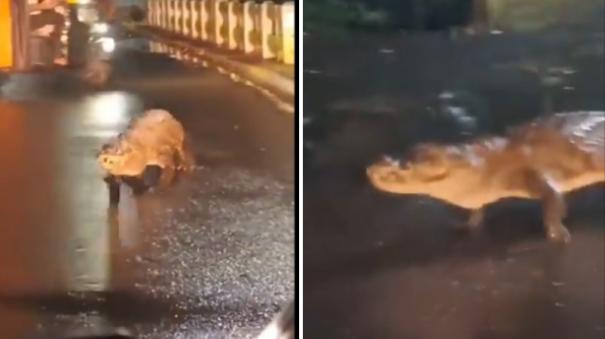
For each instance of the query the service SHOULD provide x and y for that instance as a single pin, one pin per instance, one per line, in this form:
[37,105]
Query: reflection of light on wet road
[13,147]
[105,114]
[15,323]
[87,258]
[108,109]
[88,263]
[128,217]
[53,196]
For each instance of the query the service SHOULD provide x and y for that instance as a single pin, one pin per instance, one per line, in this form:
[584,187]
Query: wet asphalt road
[210,258]
[386,266]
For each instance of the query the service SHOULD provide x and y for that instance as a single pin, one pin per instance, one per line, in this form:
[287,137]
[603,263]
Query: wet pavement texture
[212,257]
[384,266]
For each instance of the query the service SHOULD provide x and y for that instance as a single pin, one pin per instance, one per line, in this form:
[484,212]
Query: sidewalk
[272,76]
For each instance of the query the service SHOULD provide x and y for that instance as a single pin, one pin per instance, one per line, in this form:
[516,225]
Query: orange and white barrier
[265,29]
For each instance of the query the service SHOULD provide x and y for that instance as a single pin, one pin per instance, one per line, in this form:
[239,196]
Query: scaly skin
[154,139]
[541,160]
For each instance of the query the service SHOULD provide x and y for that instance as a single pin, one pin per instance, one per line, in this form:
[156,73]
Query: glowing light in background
[109,109]
[101,28]
[97,233]
[87,15]
[107,44]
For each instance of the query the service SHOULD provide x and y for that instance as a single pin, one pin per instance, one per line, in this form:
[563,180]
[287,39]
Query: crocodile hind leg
[186,159]
[163,173]
[168,171]
[553,206]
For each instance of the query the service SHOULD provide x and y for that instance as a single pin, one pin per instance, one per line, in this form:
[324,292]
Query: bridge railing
[265,29]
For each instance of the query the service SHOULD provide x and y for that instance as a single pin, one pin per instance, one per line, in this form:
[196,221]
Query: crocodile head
[427,166]
[118,158]
[111,156]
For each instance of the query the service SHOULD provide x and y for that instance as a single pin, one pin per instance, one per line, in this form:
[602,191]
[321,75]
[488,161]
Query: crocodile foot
[167,177]
[113,187]
[558,234]
[476,219]
[553,205]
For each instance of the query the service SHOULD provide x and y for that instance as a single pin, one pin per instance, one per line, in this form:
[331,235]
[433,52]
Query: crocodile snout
[370,172]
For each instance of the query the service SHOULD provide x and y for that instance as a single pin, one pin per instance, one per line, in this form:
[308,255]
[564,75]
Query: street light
[108,45]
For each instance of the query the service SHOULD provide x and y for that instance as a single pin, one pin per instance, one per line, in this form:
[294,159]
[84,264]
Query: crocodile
[543,159]
[153,140]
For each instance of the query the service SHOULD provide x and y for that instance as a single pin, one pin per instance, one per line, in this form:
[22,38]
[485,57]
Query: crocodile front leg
[168,174]
[553,206]
[113,186]
[476,218]
[167,177]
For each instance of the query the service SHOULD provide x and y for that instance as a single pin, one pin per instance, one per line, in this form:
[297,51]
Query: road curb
[278,86]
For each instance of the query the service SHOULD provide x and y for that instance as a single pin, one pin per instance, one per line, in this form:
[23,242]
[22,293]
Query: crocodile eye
[392,176]
[431,172]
